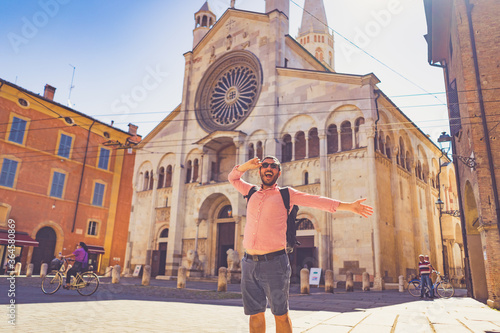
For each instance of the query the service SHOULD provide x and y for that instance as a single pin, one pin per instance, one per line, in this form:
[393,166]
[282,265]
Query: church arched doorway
[304,255]
[225,234]
[44,253]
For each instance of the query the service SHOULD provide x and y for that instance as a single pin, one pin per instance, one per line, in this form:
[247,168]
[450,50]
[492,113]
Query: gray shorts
[263,282]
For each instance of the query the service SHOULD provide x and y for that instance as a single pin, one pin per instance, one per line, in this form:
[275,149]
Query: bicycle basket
[55,264]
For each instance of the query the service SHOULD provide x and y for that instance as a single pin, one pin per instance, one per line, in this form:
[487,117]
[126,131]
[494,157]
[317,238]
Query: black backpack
[291,222]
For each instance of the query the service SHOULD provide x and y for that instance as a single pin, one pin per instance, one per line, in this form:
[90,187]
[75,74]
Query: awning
[21,239]
[95,249]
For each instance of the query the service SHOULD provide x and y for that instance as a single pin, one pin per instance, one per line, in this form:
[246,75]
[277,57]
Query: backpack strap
[252,190]
[285,195]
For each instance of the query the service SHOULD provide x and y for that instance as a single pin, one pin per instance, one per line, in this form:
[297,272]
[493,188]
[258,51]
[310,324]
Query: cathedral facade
[250,89]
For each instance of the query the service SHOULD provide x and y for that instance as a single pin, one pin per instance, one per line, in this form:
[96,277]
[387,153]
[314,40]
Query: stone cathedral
[251,89]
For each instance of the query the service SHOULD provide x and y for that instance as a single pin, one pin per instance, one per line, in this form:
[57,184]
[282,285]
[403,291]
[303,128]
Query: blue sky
[118,47]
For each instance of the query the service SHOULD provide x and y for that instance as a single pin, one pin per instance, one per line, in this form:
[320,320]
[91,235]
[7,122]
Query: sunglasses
[272,165]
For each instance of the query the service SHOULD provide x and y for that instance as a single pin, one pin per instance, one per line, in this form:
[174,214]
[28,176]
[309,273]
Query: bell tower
[204,21]
[314,34]
[281,5]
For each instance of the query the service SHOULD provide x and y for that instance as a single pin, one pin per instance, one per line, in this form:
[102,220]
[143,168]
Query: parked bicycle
[442,287]
[86,283]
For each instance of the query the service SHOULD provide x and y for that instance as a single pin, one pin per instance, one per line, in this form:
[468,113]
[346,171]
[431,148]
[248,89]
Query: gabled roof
[151,135]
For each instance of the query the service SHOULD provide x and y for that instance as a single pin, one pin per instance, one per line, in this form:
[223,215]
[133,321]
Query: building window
[146,181]
[346,136]
[306,178]
[164,233]
[332,139]
[103,159]
[65,145]
[168,176]
[8,174]
[92,230]
[287,148]
[57,184]
[17,130]
[161,177]
[195,169]
[226,212]
[300,146]
[260,150]
[313,143]
[251,151]
[188,171]
[98,198]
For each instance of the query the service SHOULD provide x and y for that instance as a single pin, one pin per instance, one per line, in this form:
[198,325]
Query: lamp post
[440,203]
[471,163]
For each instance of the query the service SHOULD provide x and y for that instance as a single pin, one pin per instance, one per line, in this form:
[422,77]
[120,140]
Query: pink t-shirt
[265,228]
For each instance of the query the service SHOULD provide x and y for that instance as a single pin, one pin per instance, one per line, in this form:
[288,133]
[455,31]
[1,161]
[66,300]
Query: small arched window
[164,233]
[313,143]
[168,176]
[388,146]
[151,180]
[332,139]
[146,181]
[357,124]
[306,178]
[251,151]
[286,148]
[195,170]
[346,136]
[161,177]
[226,212]
[260,150]
[300,146]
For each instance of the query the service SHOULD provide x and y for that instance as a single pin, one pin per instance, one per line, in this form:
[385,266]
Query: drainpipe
[483,113]
[468,276]
[81,178]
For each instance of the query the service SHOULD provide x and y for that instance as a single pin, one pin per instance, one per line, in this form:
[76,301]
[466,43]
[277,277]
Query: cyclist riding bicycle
[425,269]
[81,256]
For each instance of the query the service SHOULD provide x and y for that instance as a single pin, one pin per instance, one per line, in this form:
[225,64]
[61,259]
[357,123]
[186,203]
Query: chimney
[49,92]
[132,129]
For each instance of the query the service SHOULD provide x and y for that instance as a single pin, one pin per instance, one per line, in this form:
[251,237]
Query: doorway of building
[225,237]
[44,253]
[303,256]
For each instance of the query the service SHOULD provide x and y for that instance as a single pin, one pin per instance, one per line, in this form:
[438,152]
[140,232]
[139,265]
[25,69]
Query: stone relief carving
[233,260]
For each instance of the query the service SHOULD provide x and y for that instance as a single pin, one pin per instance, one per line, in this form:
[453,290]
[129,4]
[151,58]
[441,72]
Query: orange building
[64,178]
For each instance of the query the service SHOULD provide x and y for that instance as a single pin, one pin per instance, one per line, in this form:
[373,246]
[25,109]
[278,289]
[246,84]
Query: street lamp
[439,203]
[469,161]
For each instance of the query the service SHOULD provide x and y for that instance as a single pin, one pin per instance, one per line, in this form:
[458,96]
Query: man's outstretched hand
[357,207]
[254,163]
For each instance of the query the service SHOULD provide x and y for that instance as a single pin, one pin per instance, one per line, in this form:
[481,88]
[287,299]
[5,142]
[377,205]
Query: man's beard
[270,182]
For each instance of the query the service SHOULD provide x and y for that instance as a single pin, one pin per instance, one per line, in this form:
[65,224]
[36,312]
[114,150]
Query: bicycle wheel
[445,289]
[89,285]
[51,283]
[414,288]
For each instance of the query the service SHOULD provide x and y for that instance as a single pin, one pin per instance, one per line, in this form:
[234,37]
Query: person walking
[265,264]
[424,268]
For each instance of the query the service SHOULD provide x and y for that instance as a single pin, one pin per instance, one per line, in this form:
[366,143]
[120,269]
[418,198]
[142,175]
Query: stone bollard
[304,281]
[29,271]
[222,282]
[181,278]
[17,269]
[43,270]
[366,281]
[109,271]
[146,275]
[329,281]
[349,282]
[115,276]
[401,283]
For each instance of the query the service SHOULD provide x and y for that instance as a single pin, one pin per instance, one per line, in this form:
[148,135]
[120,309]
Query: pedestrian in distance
[265,266]
[81,255]
[425,269]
